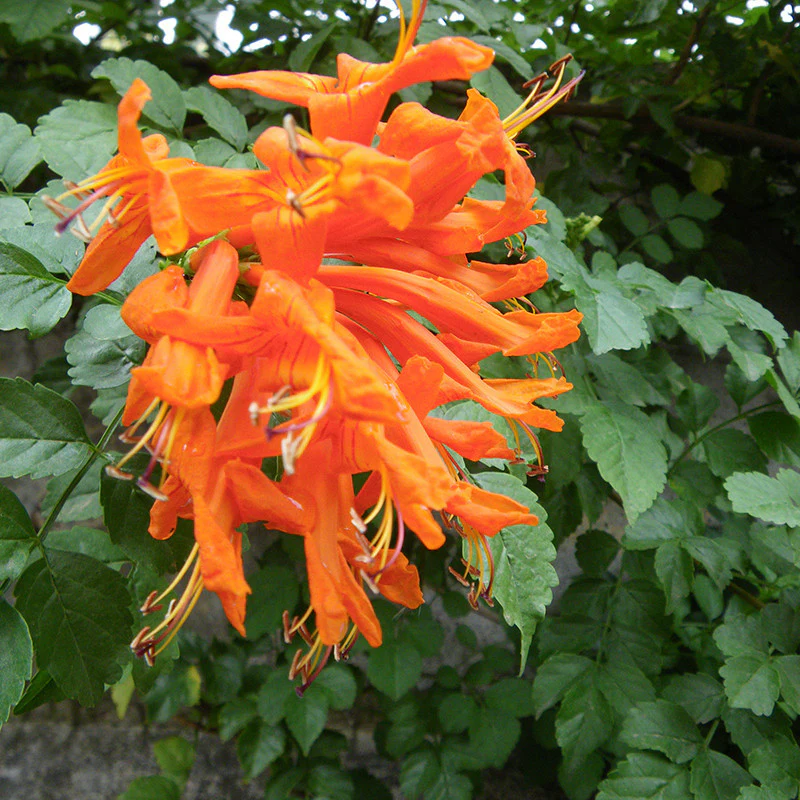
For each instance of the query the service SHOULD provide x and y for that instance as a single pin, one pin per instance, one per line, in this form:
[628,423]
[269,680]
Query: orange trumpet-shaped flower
[350,105]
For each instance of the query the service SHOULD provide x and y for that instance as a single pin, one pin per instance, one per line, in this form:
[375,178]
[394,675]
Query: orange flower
[350,105]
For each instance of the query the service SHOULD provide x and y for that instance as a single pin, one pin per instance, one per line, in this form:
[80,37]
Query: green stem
[84,468]
[742,415]
[711,732]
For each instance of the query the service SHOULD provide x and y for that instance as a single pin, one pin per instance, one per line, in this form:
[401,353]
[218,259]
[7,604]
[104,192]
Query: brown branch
[734,130]
[686,53]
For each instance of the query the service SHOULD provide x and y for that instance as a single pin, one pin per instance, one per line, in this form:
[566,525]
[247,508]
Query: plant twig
[686,52]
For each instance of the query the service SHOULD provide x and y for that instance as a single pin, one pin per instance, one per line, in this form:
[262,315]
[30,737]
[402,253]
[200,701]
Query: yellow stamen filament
[162,413]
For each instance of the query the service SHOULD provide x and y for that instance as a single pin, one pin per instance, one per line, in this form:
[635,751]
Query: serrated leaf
[329,782]
[179,688]
[103,352]
[729,450]
[704,326]
[16,657]
[394,668]
[789,362]
[77,610]
[233,716]
[644,776]
[686,233]
[167,108]
[555,677]
[19,151]
[595,550]
[258,746]
[777,764]
[751,682]
[306,716]
[699,694]
[665,727]
[14,212]
[772,499]
[58,255]
[789,673]
[41,432]
[628,452]
[510,695]
[584,722]
[523,556]
[675,571]
[84,500]
[126,513]
[715,775]
[78,138]
[612,322]
[696,404]
[456,712]
[33,299]
[502,51]
[34,19]
[493,735]
[219,113]
[17,535]
[750,313]
[624,685]
[665,521]
[665,200]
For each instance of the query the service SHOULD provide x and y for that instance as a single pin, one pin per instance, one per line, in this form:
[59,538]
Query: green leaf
[42,689]
[152,787]
[103,352]
[789,672]
[634,219]
[665,200]
[696,404]
[41,432]
[34,19]
[275,589]
[675,571]
[493,84]
[708,174]
[728,451]
[84,501]
[778,435]
[612,322]
[418,773]
[280,785]
[555,677]
[219,113]
[657,248]
[167,108]
[523,556]
[584,722]
[665,727]
[16,657]
[126,513]
[273,695]
[78,138]
[450,785]
[665,521]
[502,51]
[625,381]
[233,716]
[628,452]
[14,212]
[749,313]
[699,694]
[752,682]
[686,233]
[511,696]
[493,735]
[19,151]
[306,716]
[456,712]
[33,299]
[715,776]
[17,535]
[595,550]
[175,757]
[339,685]
[77,610]
[58,255]
[772,499]
[179,688]
[89,541]
[394,668]
[302,57]
[777,764]
[700,206]
[329,782]
[624,685]
[704,326]
[789,362]
[259,745]
[644,776]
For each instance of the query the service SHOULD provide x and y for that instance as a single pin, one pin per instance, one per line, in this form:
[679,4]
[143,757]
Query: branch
[733,130]
[686,53]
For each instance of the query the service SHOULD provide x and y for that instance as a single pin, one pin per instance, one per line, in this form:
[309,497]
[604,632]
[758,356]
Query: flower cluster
[333,294]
